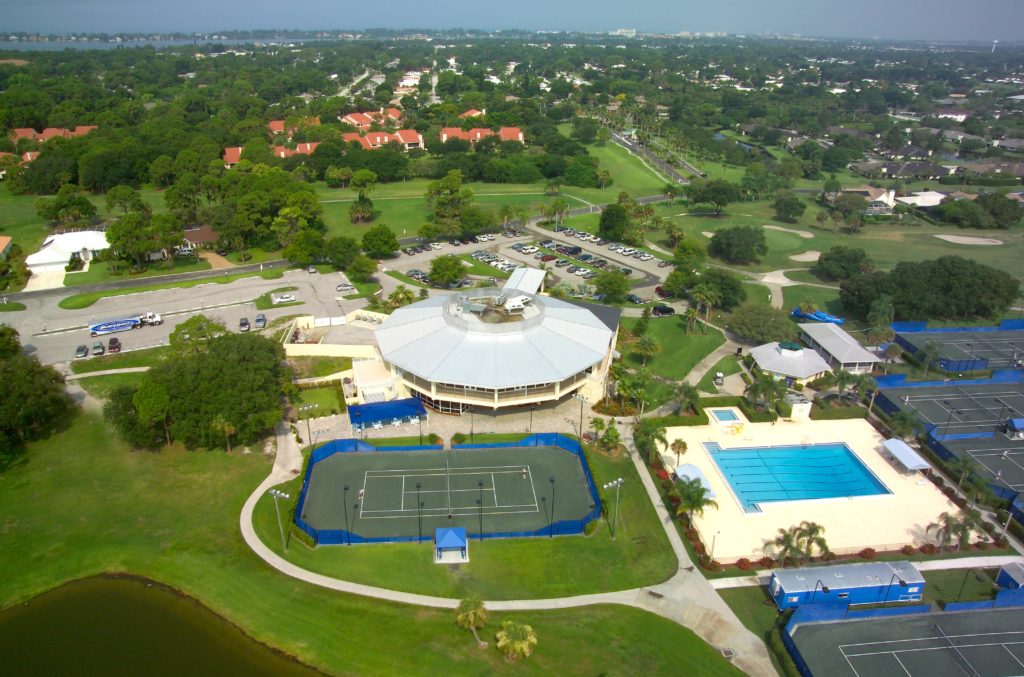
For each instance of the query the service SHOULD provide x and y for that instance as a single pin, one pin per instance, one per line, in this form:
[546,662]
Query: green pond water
[123,626]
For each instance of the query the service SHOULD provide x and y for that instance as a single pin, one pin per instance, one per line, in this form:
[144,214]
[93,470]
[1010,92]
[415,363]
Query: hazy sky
[912,19]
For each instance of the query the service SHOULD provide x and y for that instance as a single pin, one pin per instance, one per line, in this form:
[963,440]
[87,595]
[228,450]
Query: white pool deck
[883,522]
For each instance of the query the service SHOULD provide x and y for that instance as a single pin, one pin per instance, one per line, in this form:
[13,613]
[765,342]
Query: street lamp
[344,504]
[551,531]
[305,408]
[824,589]
[903,584]
[714,539]
[978,577]
[279,494]
[480,502]
[615,484]
[419,511]
[582,400]
[471,425]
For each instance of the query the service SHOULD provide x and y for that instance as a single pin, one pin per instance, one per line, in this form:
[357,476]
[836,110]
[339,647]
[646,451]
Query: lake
[105,625]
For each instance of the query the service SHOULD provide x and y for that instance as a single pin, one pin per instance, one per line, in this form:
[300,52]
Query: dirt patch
[807,235]
[216,261]
[808,256]
[967,239]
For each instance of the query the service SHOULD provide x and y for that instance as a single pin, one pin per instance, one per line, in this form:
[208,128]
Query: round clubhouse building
[498,348]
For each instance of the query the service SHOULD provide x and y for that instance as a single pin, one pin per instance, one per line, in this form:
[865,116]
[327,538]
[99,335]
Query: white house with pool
[767,477]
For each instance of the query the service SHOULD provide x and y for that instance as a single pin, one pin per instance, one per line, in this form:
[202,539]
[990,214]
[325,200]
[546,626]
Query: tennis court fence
[570,527]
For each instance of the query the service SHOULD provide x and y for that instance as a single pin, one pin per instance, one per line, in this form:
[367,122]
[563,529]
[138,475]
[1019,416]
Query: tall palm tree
[903,423]
[765,390]
[811,539]
[649,438]
[679,448]
[688,397]
[505,213]
[844,380]
[516,640]
[691,318]
[647,346]
[963,466]
[891,352]
[706,296]
[866,383]
[522,216]
[947,528]
[787,546]
[472,615]
[224,427]
[694,497]
[929,353]
[560,209]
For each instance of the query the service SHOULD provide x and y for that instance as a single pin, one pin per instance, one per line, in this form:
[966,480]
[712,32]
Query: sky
[887,19]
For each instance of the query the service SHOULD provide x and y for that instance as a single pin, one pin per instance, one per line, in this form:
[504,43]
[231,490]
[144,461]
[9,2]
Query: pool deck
[882,522]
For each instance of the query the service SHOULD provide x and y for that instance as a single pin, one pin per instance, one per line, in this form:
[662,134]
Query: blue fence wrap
[340,536]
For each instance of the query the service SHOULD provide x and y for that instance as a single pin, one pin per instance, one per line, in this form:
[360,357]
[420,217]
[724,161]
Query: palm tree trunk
[479,643]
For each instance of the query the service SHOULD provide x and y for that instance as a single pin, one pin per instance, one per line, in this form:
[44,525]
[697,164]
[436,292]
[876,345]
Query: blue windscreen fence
[385,412]
[570,527]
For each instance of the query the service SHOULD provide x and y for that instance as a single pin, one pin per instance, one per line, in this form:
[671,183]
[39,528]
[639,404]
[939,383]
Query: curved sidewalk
[687,598]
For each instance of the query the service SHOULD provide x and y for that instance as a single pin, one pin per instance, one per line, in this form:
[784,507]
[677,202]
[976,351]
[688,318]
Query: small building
[1011,576]
[5,246]
[847,584]
[789,361]
[58,250]
[195,237]
[451,546]
[529,280]
[838,348]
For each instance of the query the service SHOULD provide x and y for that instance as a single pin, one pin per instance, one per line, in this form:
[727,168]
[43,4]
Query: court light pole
[279,494]
[903,584]
[305,408]
[615,522]
[582,400]
[344,504]
[978,577]
[714,539]
[480,502]
[531,419]
[824,589]
[551,531]
[471,425]
[419,511]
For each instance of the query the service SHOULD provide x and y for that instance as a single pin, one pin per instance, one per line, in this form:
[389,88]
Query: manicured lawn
[101,386]
[758,613]
[474,267]
[363,289]
[405,279]
[758,293]
[79,301]
[824,299]
[512,568]
[944,586]
[135,358]
[99,271]
[487,438]
[407,441]
[727,365]
[266,301]
[173,516]
[11,306]
[314,367]
[679,352]
[324,401]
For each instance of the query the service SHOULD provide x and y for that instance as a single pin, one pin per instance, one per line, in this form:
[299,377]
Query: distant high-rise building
[624,32]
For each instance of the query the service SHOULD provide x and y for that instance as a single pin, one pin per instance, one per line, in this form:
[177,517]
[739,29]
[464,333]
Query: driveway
[51,280]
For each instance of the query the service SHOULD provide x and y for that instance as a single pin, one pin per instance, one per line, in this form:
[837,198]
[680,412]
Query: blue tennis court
[793,473]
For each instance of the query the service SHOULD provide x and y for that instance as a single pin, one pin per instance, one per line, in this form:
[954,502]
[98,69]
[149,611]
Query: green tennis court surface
[404,494]
[1003,349]
[986,643]
[955,408]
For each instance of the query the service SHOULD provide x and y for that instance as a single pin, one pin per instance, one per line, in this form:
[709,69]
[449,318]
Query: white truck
[125,323]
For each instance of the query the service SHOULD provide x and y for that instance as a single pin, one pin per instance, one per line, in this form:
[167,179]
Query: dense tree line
[33,402]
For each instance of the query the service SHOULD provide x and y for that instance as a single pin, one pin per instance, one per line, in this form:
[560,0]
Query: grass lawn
[134,358]
[488,438]
[758,613]
[757,293]
[266,302]
[173,516]
[679,352]
[323,400]
[316,367]
[79,301]
[824,299]
[11,307]
[944,586]
[512,568]
[99,271]
[405,279]
[101,386]
[363,290]
[727,365]
[474,267]
[407,441]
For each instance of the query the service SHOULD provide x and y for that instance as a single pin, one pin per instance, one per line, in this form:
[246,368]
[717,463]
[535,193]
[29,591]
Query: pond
[106,625]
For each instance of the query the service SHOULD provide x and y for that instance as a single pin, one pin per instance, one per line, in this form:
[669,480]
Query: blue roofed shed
[848,584]
[1011,576]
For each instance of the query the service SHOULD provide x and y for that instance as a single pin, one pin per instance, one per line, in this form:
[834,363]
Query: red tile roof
[453,133]
[478,133]
[23,133]
[358,119]
[407,136]
[354,136]
[30,156]
[5,242]
[232,155]
[306,148]
[53,132]
[510,134]
[394,114]
[377,139]
[276,126]
[471,113]
[82,130]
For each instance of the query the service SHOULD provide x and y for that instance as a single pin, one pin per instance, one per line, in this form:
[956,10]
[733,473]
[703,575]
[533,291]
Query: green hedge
[671,421]
[784,408]
[837,413]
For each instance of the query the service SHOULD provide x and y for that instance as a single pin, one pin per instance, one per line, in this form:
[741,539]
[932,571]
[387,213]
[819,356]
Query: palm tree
[963,466]
[787,545]
[866,383]
[522,215]
[649,437]
[679,447]
[765,390]
[505,213]
[472,615]
[224,427]
[947,528]
[892,352]
[691,318]
[707,297]
[811,537]
[903,423]
[553,187]
[560,209]
[516,640]
[844,380]
[693,498]
[687,396]
[929,353]
[647,346]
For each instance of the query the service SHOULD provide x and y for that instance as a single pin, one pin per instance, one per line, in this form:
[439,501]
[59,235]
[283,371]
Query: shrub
[981,545]
[766,562]
[928,549]
[709,564]
[819,413]
[868,553]
[434,438]
[590,527]
[459,438]
[908,550]
[743,564]
[692,535]
[661,473]
[666,485]
[699,548]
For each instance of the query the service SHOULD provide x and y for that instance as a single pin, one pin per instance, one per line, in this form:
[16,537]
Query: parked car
[548,257]
[284,298]
[114,345]
[243,324]
[261,320]
[311,269]
[633,298]
[662,292]
[344,287]
[661,311]
[97,348]
[82,351]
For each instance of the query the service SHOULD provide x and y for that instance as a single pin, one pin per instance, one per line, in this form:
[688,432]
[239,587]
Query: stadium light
[582,400]
[615,484]
[977,576]
[279,494]
[419,510]
[480,502]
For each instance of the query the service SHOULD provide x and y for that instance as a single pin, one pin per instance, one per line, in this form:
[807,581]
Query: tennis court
[986,643]
[401,495]
[958,350]
[956,409]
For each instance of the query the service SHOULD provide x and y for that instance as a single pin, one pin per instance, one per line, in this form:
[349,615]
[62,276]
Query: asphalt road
[651,158]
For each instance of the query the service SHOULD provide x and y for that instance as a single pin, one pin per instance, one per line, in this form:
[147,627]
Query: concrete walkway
[704,366]
[762,576]
[687,598]
[105,372]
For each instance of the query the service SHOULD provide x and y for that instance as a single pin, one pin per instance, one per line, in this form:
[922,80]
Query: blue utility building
[847,584]
[1011,576]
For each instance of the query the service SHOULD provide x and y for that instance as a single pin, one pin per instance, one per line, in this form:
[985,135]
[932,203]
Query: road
[662,166]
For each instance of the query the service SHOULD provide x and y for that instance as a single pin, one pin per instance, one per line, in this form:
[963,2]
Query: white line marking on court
[896,656]
[849,662]
[494,491]
[403,492]
[1013,656]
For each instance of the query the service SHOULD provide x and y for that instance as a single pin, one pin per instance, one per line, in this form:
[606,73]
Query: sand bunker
[808,256]
[802,233]
[967,239]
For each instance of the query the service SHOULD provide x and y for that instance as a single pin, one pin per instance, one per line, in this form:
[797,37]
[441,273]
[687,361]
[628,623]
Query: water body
[111,626]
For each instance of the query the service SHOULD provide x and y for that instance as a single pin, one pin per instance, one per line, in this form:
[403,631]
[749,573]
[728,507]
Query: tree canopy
[33,403]
[739,244]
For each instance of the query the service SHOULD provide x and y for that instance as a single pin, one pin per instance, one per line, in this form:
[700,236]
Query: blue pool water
[793,473]
[724,415]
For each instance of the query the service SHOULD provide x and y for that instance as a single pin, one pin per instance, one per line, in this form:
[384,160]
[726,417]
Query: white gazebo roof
[793,363]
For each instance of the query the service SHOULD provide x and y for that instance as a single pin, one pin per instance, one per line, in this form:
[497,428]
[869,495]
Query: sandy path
[802,233]
[808,256]
[967,239]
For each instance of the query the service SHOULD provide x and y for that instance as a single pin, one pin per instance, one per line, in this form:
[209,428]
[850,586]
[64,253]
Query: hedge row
[837,413]
[701,417]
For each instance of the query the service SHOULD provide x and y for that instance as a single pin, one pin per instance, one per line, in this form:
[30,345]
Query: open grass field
[99,271]
[134,358]
[173,516]
[86,299]
[323,400]
[945,586]
[679,351]
[100,387]
[508,569]
[824,299]
[315,367]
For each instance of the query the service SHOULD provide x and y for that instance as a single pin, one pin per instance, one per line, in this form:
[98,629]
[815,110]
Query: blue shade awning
[689,471]
[1016,423]
[450,538]
[908,458]
[385,412]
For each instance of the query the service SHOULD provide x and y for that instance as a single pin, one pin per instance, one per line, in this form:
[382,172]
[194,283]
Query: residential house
[909,152]
[473,113]
[364,120]
[300,149]
[1015,145]
[925,171]
[991,167]
[956,114]
[196,237]
[278,126]
[474,135]
[837,131]
[406,138]
[923,199]
[232,156]
[880,200]
[20,133]
[60,248]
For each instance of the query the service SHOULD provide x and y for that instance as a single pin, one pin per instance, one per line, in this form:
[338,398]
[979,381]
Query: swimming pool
[724,415]
[793,473]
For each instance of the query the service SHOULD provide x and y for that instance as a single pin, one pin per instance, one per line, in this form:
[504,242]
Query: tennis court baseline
[960,350]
